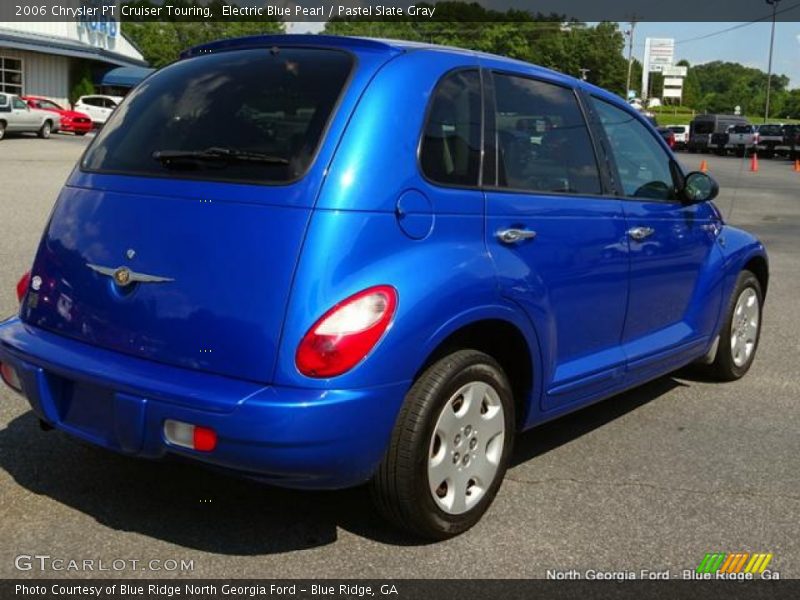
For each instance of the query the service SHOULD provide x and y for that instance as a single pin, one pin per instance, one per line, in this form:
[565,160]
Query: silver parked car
[17,117]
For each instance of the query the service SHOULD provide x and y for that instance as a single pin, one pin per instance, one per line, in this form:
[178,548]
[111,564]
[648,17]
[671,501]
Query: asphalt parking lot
[654,478]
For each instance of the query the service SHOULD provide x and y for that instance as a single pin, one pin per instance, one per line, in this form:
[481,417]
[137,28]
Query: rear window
[253,115]
[743,129]
[704,127]
[678,129]
[770,130]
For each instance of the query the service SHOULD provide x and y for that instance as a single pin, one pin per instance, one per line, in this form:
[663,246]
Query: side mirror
[699,187]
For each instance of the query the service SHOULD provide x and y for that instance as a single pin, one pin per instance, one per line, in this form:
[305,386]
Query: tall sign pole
[774,4]
[630,56]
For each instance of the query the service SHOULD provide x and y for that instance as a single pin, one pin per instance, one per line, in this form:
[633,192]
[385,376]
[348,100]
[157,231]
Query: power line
[739,26]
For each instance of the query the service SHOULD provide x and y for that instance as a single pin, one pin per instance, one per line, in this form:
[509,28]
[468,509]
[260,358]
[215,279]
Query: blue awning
[124,76]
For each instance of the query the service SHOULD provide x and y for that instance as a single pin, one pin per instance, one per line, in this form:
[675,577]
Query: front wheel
[742,329]
[450,447]
[45,130]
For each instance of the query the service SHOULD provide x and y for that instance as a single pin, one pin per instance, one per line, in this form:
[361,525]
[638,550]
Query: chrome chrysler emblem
[123,276]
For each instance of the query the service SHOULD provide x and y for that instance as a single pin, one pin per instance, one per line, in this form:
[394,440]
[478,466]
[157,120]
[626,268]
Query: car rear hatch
[177,239]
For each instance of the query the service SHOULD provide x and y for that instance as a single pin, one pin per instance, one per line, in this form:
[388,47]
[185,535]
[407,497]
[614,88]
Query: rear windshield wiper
[219,154]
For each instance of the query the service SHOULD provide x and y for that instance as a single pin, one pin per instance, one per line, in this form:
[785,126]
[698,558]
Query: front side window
[644,167]
[543,142]
[451,145]
[19,104]
[251,115]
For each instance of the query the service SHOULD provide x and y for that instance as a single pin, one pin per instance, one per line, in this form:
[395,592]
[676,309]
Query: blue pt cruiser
[325,261]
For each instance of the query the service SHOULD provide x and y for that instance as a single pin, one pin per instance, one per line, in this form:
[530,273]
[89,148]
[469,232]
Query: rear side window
[451,145]
[253,115]
[543,142]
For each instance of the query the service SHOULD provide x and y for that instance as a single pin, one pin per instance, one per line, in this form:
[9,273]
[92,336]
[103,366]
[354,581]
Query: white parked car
[97,106]
[17,117]
[681,135]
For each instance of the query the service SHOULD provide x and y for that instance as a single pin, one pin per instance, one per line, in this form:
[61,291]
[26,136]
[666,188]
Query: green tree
[547,40]
[162,42]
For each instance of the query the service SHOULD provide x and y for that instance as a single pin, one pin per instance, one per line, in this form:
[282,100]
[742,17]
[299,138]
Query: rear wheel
[45,130]
[2,129]
[450,447]
[741,331]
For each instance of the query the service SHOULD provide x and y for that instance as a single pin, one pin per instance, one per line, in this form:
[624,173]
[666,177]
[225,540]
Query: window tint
[704,127]
[643,165]
[770,130]
[743,129]
[451,146]
[269,107]
[543,143]
[19,104]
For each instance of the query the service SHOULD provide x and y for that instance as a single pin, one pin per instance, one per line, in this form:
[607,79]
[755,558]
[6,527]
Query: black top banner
[399,10]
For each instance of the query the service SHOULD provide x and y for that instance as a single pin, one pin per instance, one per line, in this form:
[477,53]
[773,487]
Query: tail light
[22,286]
[10,377]
[186,435]
[344,335]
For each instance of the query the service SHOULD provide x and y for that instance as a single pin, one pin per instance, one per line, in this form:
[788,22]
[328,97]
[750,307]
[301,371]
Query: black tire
[724,368]
[80,133]
[400,488]
[45,130]
[2,130]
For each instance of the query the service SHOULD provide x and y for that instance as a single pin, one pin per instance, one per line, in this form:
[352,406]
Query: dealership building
[46,59]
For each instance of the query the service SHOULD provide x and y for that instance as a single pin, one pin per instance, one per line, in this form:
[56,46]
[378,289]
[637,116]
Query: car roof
[361,44]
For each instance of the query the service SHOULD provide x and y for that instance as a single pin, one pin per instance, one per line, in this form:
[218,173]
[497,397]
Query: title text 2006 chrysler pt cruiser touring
[325,261]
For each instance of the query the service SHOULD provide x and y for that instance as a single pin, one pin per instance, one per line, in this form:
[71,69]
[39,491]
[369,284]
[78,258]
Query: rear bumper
[294,437]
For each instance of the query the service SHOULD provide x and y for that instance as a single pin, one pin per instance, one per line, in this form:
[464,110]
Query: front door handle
[640,233]
[512,236]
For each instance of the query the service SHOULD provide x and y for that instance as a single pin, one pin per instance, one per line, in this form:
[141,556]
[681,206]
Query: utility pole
[630,54]
[774,4]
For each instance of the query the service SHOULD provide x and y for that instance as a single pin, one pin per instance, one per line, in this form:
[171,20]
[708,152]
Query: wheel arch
[759,267]
[509,341]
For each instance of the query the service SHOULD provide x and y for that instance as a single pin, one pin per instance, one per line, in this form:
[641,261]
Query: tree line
[595,52]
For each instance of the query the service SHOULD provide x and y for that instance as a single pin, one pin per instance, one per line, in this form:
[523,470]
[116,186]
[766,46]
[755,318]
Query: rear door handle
[513,236]
[640,233]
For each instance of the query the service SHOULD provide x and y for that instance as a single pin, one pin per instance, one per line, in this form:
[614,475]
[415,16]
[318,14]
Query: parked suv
[98,107]
[681,133]
[366,273]
[17,117]
[790,146]
[743,139]
[770,138]
[703,127]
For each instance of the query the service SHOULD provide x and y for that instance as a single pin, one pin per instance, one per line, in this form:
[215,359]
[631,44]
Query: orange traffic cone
[797,166]
[754,163]
[704,166]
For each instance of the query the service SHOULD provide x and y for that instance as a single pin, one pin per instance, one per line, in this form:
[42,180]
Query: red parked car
[77,122]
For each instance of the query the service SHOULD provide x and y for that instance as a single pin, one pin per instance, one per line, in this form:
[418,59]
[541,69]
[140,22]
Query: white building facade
[43,58]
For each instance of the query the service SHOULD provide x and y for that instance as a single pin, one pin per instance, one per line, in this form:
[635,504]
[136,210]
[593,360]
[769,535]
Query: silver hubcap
[744,327]
[466,447]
